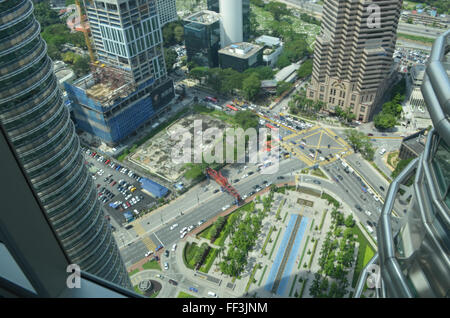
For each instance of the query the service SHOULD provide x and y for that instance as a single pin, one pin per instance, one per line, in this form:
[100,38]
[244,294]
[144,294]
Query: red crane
[223,182]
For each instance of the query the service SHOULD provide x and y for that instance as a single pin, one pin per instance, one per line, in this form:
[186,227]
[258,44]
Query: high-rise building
[42,139]
[353,54]
[167,11]
[202,38]
[231,17]
[129,86]
[231,25]
[414,262]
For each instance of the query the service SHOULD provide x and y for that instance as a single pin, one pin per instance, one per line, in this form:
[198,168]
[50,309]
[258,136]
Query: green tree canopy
[251,86]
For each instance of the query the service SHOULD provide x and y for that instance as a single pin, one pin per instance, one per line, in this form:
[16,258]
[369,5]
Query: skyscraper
[232,17]
[202,38]
[167,11]
[129,86]
[353,54]
[39,129]
[414,262]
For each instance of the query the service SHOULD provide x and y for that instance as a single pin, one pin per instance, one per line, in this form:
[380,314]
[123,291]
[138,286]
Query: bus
[271,127]
[211,99]
[232,107]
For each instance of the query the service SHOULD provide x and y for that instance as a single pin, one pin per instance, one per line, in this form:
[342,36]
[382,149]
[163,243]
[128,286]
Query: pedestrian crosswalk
[145,238]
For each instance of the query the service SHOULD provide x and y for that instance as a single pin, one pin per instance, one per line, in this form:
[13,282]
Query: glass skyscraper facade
[202,38]
[39,129]
[414,262]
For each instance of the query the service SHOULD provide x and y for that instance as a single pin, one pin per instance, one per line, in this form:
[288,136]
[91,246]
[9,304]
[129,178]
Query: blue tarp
[154,188]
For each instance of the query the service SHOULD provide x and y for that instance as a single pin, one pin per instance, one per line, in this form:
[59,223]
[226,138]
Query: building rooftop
[284,73]
[268,40]
[203,17]
[105,84]
[241,50]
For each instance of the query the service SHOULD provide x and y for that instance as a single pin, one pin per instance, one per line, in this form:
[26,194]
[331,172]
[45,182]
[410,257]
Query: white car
[173,226]
[183,234]
[368,213]
[190,228]
[369,229]
[174,247]
[184,229]
[382,151]
[166,266]
[148,253]
[225,207]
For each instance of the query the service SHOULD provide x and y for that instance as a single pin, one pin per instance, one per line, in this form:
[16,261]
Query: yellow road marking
[145,238]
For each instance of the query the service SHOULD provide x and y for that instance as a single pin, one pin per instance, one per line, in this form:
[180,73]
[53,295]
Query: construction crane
[85,32]
[224,184]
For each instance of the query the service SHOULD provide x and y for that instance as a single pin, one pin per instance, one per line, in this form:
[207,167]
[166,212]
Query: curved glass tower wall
[415,261]
[39,128]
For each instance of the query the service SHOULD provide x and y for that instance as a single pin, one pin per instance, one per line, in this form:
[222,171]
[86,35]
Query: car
[158,248]
[173,226]
[225,207]
[251,193]
[235,180]
[244,176]
[184,229]
[382,188]
[280,177]
[183,234]
[216,190]
[358,207]
[317,182]
[369,134]
[190,228]
[250,173]
[166,265]
[148,253]
[265,181]
[369,223]
[200,222]
[369,229]
[193,289]
[174,247]
[166,253]
[212,294]
[171,281]
[368,213]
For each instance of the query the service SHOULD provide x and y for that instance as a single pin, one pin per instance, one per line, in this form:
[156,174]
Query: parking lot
[118,188]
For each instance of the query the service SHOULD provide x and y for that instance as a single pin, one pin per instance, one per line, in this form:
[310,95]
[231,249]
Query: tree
[384,120]
[305,69]
[45,15]
[246,119]
[81,65]
[277,9]
[349,222]
[283,87]
[283,60]
[178,33]
[170,56]
[251,86]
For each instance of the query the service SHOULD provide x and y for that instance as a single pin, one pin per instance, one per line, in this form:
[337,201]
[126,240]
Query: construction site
[155,155]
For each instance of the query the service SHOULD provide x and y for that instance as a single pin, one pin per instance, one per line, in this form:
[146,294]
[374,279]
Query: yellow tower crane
[85,32]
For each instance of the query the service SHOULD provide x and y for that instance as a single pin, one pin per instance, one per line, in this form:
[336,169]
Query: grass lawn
[152,265]
[415,38]
[262,275]
[267,240]
[275,243]
[303,253]
[293,284]
[134,271]
[363,255]
[212,254]
[318,173]
[189,253]
[185,295]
